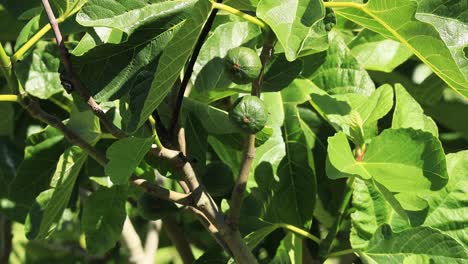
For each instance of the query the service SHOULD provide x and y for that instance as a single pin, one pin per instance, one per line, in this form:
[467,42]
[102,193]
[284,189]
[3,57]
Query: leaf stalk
[239,13]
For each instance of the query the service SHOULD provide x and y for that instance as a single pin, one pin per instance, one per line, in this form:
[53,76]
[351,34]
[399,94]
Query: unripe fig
[249,114]
[242,65]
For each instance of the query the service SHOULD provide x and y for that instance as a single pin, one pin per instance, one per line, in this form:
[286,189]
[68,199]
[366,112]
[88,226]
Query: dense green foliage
[269,131]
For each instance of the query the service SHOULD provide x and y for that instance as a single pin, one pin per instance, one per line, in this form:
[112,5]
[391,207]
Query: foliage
[276,131]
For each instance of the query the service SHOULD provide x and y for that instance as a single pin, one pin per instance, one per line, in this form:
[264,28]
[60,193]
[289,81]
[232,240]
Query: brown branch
[72,76]
[36,111]
[248,153]
[132,242]
[166,194]
[152,240]
[176,235]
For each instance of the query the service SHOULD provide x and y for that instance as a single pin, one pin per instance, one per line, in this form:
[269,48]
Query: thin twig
[36,111]
[75,81]
[248,153]
[176,234]
[189,70]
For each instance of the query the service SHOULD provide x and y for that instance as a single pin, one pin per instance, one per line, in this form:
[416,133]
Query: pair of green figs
[243,65]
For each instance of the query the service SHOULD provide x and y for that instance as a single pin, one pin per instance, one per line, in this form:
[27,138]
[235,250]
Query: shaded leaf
[110,70]
[173,60]
[124,156]
[35,171]
[50,204]
[103,218]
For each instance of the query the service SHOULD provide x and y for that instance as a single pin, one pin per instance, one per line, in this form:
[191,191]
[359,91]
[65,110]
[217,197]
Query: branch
[132,242]
[248,153]
[36,111]
[152,241]
[189,70]
[75,81]
[208,208]
[176,234]
[166,194]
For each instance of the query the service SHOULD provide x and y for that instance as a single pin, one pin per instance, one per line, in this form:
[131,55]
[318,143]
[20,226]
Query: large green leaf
[336,71]
[371,211]
[209,78]
[353,112]
[297,25]
[50,204]
[128,15]
[124,156]
[416,245]
[296,174]
[408,113]
[110,70]
[450,19]
[414,166]
[395,19]
[103,218]
[85,124]
[375,52]
[173,60]
[38,72]
[214,120]
[449,206]
[289,250]
[35,171]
